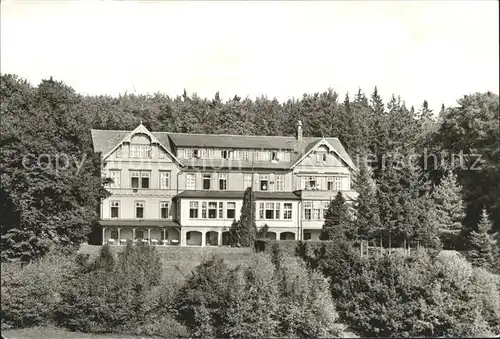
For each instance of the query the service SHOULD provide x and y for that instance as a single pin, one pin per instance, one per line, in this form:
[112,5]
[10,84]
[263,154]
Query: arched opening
[225,238]
[212,238]
[287,236]
[193,238]
[271,235]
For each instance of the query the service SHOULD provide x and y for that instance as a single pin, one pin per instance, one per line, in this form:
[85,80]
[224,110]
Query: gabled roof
[232,141]
[106,140]
[334,143]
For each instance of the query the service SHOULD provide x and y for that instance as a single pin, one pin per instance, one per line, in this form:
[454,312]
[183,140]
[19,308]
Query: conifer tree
[367,221]
[338,221]
[450,210]
[481,243]
[243,232]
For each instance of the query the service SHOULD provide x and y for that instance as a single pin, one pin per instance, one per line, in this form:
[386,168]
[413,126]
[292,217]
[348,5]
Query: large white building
[186,189]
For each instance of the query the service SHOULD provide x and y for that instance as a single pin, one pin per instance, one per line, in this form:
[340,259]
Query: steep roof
[232,141]
[105,140]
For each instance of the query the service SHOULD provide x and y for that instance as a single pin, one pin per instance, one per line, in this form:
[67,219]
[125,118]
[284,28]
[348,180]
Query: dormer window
[275,156]
[226,154]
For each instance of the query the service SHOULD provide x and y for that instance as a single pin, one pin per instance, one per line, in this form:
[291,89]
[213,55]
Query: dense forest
[435,177]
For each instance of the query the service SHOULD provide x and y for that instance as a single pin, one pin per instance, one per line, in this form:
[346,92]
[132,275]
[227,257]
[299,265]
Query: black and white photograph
[249,169]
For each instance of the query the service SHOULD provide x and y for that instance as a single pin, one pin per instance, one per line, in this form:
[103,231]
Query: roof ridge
[110,130]
[234,135]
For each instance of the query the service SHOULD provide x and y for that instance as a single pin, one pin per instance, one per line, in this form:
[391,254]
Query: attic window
[274,156]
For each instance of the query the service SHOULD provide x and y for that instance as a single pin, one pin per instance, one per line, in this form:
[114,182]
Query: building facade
[187,189]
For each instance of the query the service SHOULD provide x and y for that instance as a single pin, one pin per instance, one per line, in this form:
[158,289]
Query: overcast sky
[431,50]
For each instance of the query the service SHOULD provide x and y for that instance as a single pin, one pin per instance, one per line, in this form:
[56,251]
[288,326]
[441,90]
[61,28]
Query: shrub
[30,293]
[120,295]
[267,297]
[203,299]
[306,307]
[409,296]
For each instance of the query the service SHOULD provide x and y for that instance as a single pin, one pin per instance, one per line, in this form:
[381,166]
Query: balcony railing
[142,192]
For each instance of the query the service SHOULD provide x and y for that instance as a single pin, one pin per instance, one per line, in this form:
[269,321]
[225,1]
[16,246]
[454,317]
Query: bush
[306,307]
[31,292]
[124,295]
[409,296]
[268,297]
[289,247]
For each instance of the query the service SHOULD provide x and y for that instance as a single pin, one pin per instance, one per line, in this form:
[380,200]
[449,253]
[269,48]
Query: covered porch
[151,232]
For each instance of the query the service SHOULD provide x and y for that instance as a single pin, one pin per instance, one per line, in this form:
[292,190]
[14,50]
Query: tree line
[412,188]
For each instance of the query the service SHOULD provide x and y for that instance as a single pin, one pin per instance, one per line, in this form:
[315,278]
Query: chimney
[299,132]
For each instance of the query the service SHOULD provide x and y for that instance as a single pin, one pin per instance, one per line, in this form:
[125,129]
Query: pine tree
[243,232]
[481,243]
[367,220]
[338,222]
[450,210]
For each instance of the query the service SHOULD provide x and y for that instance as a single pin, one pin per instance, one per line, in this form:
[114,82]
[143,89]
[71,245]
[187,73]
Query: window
[114,234]
[145,179]
[161,153]
[264,182]
[277,211]
[329,184]
[188,236]
[139,234]
[287,213]
[225,154]
[231,210]
[307,236]
[316,213]
[163,210]
[326,205]
[190,181]
[204,209]
[164,180]
[193,209]
[223,181]
[115,176]
[212,210]
[115,209]
[280,182]
[187,153]
[247,181]
[139,209]
[269,210]
[321,157]
[119,152]
[261,210]
[337,183]
[310,183]
[196,153]
[206,181]
[140,179]
[210,153]
[221,210]
[275,156]
[140,151]
[244,155]
[307,210]
[264,155]
[135,179]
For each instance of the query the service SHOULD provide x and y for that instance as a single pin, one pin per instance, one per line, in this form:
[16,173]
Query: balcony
[142,192]
[324,194]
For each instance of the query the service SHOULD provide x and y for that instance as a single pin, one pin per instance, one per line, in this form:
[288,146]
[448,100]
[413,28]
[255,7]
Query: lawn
[57,333]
